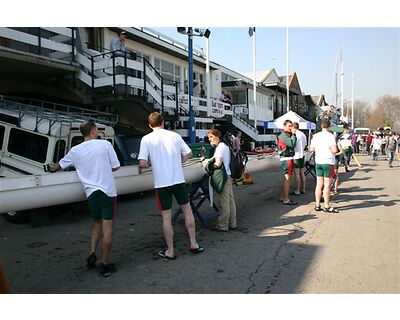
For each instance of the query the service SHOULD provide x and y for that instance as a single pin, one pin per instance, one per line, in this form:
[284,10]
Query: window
[198,83]
[76,140]
[170,72]
[28,145]
[59,150]
[2,129]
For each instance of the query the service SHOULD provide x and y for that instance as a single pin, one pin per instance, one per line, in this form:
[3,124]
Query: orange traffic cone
[247,179]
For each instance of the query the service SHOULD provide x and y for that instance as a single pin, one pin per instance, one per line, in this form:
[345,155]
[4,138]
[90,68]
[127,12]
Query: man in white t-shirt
[301,143]
[94,161]
[324,145]
[165,151]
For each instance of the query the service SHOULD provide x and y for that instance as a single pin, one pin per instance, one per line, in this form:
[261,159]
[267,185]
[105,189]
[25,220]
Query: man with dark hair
[286,144]
[95,160]
[324,145]
[165,151]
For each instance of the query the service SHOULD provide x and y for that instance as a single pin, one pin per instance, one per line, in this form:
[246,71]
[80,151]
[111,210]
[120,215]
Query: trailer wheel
[17,217]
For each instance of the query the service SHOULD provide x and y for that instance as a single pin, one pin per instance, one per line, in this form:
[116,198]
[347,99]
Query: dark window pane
[59,150]
[1,136]
[28,145]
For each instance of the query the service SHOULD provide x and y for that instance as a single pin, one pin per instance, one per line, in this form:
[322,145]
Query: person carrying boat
[95,161]
[165,151]
[286,144]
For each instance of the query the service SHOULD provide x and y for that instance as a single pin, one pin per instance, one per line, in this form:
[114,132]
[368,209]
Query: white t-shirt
[93,160]
[222,151]
[376,143]
[322,143]
[164,149]
[301,143]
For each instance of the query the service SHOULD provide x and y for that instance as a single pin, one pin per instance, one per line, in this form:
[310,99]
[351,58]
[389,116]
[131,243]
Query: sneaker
[91,261]
[107,269]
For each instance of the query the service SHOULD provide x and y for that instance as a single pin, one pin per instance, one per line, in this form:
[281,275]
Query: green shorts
[102,207]
[288,166]
[325,170]
[347,153]
[299,163]
[164,195]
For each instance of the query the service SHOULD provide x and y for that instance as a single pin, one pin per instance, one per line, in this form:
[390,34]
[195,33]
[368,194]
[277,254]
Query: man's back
[93,161]
[322,143]
[164,150]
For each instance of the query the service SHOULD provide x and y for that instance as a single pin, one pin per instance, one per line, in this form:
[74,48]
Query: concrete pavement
[276,249]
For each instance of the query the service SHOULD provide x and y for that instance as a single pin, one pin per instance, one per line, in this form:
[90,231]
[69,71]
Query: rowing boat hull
[36,191]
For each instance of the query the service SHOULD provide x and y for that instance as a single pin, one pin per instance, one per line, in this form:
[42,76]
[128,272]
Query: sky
[371,53]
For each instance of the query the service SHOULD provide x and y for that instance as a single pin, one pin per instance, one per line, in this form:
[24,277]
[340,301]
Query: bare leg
[96,233]
[303,180]
[190,224]
[168,231]
[297,180]
[286,187]
[318,191]
[107,240]
[336,181]
[327,191]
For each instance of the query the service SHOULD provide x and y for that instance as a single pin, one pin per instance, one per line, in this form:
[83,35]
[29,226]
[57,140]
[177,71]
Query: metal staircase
[248,129]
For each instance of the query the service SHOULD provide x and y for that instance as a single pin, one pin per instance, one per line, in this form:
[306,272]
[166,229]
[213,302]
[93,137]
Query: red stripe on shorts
[158,201]
[115,208]
[332,173]
[290,166]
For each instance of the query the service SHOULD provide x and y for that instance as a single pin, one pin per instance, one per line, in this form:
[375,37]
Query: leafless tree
[385,113]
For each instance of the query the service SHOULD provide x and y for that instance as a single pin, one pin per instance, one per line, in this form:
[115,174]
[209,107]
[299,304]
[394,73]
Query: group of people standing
[328,153]
[388,145]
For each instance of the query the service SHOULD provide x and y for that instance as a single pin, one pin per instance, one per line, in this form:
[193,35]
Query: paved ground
[278,249]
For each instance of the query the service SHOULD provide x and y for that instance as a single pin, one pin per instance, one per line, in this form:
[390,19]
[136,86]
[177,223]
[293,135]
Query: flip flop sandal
[290,203]
[317,208]
[335,192]
[200,249]
[330,210]
[163,255]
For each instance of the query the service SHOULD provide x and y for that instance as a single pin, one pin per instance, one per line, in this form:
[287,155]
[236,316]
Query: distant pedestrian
[286,144]
[391,148]
[237,142]
[324,146]
[338,154]
[165,151]
[301,143]
[376,147]
[94,161]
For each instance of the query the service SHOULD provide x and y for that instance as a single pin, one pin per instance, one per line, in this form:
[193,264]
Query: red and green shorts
[164,195]
[288,166]
[102,207]
[300,163]
[325,170]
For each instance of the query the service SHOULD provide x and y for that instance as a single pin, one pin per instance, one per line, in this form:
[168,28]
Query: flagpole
[287,69]
[352,100]
[254,80]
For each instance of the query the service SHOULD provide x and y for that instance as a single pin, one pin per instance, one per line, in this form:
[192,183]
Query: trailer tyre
[17,217]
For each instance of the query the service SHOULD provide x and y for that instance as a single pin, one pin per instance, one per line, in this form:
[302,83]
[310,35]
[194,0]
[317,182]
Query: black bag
[238,161]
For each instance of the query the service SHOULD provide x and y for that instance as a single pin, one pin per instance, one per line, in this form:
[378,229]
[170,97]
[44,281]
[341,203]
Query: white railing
[57,42]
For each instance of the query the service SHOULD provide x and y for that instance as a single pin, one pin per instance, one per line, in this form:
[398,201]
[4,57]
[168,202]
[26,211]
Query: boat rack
[54,112]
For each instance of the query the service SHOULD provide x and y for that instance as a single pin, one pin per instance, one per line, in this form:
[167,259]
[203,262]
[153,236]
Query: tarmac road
[277,249]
